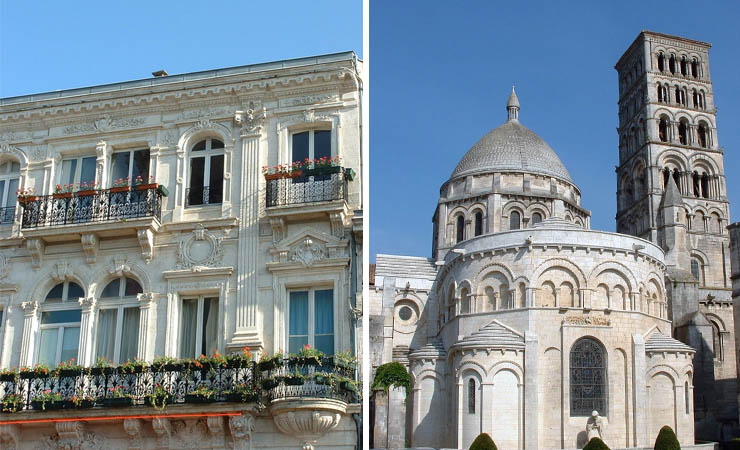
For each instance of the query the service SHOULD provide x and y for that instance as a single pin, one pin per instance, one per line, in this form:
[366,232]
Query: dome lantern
[512,106]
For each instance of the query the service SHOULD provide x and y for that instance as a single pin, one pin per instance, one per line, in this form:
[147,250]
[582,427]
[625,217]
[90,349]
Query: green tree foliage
[666,440]
[483,442]
[596,444]
[392,374]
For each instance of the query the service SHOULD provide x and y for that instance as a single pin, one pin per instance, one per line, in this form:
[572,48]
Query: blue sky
[441,75]
[49,45]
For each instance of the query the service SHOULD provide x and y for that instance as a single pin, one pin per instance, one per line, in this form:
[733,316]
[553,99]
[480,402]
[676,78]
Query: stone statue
[594,426]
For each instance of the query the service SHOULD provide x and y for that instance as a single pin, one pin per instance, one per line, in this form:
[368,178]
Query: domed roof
[512,146]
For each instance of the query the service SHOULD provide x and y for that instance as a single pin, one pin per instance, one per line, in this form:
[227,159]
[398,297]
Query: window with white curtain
[9,181]
[198,326]
[59,334]
[311,320]
[78,170]
[118,321]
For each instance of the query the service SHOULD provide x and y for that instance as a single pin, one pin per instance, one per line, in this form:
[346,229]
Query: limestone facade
[668,134]
[223,239]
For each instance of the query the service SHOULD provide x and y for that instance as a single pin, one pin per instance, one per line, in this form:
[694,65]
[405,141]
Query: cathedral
[528,325]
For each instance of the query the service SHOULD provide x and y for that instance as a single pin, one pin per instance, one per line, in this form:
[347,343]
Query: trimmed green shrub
[392,374]
[666,440]
[483,442]
[596,444]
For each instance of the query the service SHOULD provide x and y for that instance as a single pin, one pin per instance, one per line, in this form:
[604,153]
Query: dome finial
[512,106]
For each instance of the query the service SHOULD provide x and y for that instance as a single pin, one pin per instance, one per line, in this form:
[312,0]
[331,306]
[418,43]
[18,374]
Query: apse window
[311,320]
[198,326]
[206,173]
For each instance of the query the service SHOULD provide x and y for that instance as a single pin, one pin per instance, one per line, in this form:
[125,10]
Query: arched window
[705,186]
[206,173]
[694,68]
[536,218]
[514,220]
[696,271]
[683,137]
[118,321]
[701,134]
[716,341]
[684,66]
[471,396]
[694,98]
[460,228]
[663,129]
[661,62]
[478,223]
[696,184]
[672,64]
[465,302]
[677,179]
[10,173]
[59,336]
[666,177]
[588,388]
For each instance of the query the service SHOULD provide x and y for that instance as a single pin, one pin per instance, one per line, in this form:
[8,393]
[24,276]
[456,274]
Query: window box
[23,199]
[348,386]
[32,374]
[294,380]
[158,402]
[237,397]
[328,170]
[117,402]
[62,195]
[101,370]
[68,372]
[82,404]
[118,189]
[324,380]
[144,187]
[39,405]
[276,176]
[11,407]
[269,383]
[349,174]
[86,193]
[198,398]
[7,377]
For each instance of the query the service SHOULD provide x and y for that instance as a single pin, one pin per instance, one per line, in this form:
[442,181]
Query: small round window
[405,313]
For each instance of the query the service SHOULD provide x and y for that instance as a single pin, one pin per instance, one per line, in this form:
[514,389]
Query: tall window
[198,326]
[716,341]
[536,218]
[701,134]
[663,129]
[311,144]
[80,170]
[686,399]
[683,133]
[311,320]
[471,396]
[118,321]
[460,228]
[130,164]
[59,335]
[696,271]
[478,223]
[206,173]
[588,388]
[661,62]
[514,220]
[9,179]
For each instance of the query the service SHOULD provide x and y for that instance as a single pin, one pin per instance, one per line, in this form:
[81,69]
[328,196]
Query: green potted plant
[483,442]
[159,397]
[47,400]
[37,371]
[101,367]
[322,378]
[349,174]
[8,374]
[309,356]
[270,363]
[240,359]
[68,369]
[143,184]
[167,363]
[200,363]
[203,394]
[11,403]
[117,397]
[294,378]
[243,392]
[63,191]
[82,400]
[120,185]
[133,366]
[270,383]
[347,384]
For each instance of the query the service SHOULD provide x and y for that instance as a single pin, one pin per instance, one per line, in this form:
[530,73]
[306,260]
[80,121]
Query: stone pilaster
[30,324]
[247,332]
[640,400]
[396,417]
[531,396]
[85,353]
[146,301]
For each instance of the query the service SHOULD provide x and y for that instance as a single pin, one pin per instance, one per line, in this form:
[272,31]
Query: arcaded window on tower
[705,185]
[694,68]
[696,178]
[663,129]
[536,218]
[684,66]
[478,223]
[701,134]
[716,341]
[661,62]
[677,179]
[666,177]
[672,64]
[683,133]
[471,396]
[460,228]
[514,220]
[588,388]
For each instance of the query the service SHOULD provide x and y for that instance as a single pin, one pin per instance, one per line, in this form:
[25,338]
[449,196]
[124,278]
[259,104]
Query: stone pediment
[308,248]
[495,335]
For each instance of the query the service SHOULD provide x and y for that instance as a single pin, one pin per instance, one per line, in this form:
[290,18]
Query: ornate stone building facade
[173,243]
[668,134]
[525,321]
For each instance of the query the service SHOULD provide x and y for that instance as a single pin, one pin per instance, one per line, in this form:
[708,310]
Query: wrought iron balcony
[103,205]
[203,195]
[307,189]
[175,383]
[7,215]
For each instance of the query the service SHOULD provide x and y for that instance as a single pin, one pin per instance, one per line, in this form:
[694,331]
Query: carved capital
[146,299]
[278,228]
[133,428]
[336,219]
[241,427]
[29,308]
[102,150]
[146,241]
[251,120]
[87,303]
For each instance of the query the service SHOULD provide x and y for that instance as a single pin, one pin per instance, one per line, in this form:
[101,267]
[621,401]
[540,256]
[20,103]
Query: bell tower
[671,190]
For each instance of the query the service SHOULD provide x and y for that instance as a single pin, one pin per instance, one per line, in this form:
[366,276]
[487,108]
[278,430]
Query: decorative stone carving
[133,428]
[241,427]
[36,248]
[9,437]
[309,100]
[251,120]
[90,247]
[199,249]
[119,266]
[215,425]
[188,434]
[307,252]
[146,241]
[29,308]
[71,432]
[104,123]
[278,228]
[208,112]
[87,303]
[163,429]
[307,425]
[336,220]
[587,320]
[595,426]
[4,266]
[62,271]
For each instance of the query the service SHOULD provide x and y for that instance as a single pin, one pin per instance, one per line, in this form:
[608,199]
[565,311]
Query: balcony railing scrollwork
[307,189]
[101,205]
[7,215]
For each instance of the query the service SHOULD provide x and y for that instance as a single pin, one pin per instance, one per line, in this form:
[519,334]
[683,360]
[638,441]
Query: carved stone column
[146,301]
[247,333]
[30,324]
[88,317]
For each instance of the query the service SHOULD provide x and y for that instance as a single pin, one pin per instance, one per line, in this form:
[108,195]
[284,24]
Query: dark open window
[206,173]
[661,62]
[460,228]
[672,64]
[701,134]
[514,220]
[478,223]
[683,133]
[663,129]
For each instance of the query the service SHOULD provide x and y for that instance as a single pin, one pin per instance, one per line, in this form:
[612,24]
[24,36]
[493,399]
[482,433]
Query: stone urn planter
[307,419]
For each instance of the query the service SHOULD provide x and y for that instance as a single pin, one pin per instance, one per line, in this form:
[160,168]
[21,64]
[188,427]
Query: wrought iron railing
[88,388]
[7,215]
[93,206]
[306,189]
[204,195]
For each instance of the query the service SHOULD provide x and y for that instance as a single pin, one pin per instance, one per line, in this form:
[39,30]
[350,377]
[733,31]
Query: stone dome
[512,146]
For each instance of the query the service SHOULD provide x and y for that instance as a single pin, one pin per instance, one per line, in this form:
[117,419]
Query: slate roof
[493,335]
[658,342]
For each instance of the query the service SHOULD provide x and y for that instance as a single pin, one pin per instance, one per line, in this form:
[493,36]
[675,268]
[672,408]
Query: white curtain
[210,326]
[106,346]
[324,321]
[70,343]
[48,346]
[188,328]
[130,335]
[298,327]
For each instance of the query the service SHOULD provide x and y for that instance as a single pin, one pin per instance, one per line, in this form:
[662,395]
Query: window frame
[120,303]
[199,322]
[310,330]
[131,152]
[311,141]
[63,305]
[7,177]
[78,169]
[207,154]
[604,382]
